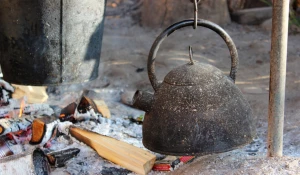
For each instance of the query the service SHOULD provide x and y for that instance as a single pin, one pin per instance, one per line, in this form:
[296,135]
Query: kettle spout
[142,100]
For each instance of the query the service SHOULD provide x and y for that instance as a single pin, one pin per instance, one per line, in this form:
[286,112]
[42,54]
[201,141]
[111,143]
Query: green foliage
[140,118]
[293,19]
[268,2]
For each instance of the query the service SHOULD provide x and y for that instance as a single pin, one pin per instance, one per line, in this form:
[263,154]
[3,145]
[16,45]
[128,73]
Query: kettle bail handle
[185,23]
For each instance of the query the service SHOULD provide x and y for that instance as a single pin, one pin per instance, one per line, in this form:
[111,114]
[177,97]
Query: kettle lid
[193,74]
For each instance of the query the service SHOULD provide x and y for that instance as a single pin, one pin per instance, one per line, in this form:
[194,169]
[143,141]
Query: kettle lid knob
[191,55]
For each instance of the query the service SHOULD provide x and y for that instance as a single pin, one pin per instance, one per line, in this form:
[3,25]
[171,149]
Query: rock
[267,25]
[253,16]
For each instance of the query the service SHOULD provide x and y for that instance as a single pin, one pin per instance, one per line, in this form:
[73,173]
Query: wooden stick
[121,153]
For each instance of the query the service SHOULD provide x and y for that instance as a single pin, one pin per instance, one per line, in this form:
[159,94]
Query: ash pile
[91,132]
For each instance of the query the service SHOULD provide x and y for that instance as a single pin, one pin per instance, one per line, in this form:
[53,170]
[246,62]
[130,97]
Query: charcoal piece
[5,95]
[140,70]
[82,163]
[114,171]
[175,162]
[86,104]
[59,158]
[68,138]
[67,113]
[40,162]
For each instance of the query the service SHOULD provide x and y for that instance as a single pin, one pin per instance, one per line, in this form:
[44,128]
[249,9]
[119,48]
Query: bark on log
[163,13]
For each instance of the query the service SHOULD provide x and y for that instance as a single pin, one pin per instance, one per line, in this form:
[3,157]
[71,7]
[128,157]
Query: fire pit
[27,129]
[95,114]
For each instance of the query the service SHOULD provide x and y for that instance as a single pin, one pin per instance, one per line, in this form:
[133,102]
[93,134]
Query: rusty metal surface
[197,110]
[187,23]
[50,42]
[277,76]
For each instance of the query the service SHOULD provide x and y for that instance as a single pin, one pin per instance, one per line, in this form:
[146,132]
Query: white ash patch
[120,129]
[17,106]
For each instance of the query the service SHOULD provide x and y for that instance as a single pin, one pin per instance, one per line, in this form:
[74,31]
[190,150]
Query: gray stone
[253,16]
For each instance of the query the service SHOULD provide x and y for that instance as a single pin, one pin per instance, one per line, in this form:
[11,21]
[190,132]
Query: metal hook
[196,13]
[191,55]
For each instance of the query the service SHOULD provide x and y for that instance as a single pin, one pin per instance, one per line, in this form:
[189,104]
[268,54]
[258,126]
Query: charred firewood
[43,129]
[59,158]
[8,125]
[86,104]
[40,162]
[67,113]
[86,110]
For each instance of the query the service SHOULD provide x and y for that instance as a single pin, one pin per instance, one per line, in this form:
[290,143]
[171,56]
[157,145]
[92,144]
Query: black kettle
[196,110]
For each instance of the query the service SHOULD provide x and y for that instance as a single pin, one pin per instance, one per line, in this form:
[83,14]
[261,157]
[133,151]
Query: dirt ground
[123,66]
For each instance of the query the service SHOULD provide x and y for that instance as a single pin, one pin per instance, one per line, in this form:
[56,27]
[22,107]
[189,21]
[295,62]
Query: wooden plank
[118,152]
